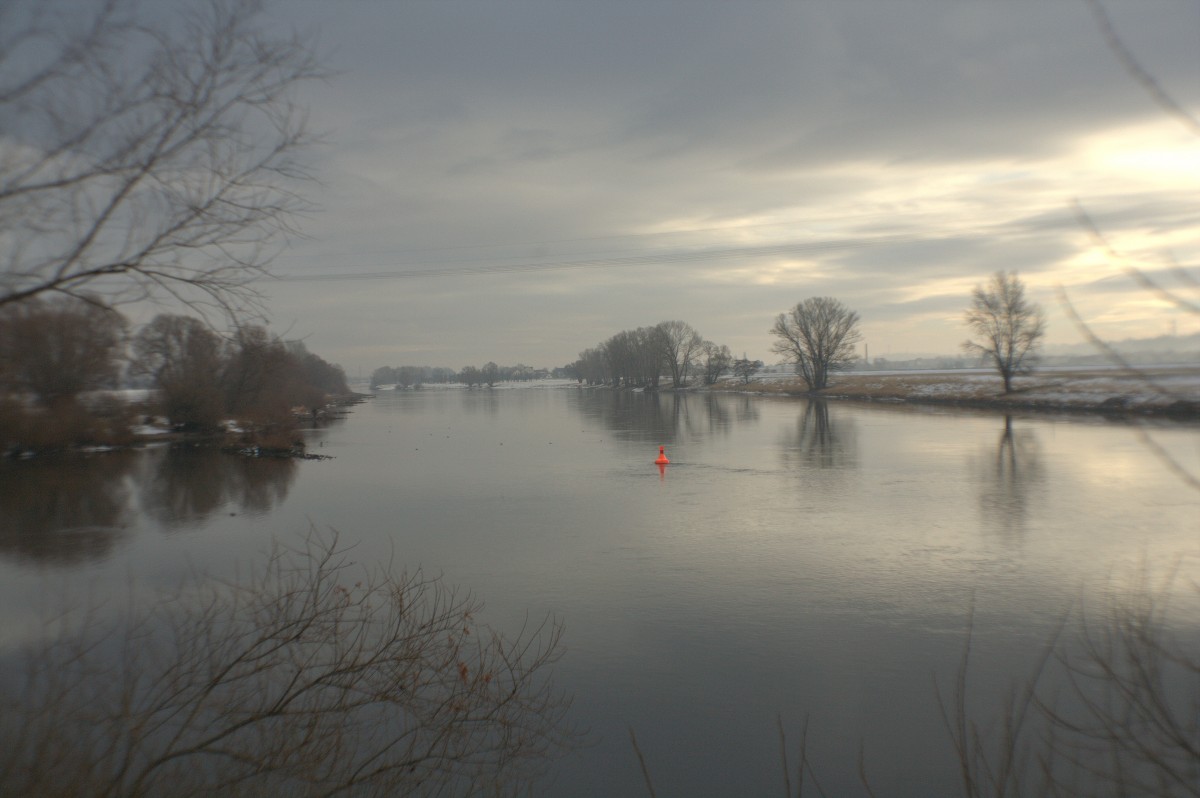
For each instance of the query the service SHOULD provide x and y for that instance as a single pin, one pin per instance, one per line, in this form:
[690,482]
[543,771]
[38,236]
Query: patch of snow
[937,389]
[148,430]
[130,395]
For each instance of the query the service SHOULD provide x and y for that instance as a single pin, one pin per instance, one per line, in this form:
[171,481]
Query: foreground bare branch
[141,161]
[1005,756]
[313,675]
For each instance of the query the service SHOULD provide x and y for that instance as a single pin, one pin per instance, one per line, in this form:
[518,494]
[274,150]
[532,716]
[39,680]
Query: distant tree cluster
[818,336]
[410,376]
[202,378]
[54,352]
[641,358]
[489,374]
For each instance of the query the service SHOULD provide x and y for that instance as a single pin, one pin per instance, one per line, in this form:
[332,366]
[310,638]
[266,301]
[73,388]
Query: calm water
[795,560]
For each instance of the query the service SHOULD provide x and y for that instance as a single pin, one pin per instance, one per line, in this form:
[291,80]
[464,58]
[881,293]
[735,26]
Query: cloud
[480,136]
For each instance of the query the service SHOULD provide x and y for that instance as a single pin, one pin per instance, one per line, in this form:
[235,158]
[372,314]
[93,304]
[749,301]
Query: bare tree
[679,345]
[620,358]
[470,376]
[1009,328]
[591,367]
[145,159]
[716,360]
[56,349]
[260,377]
[646,365]
[819,335]
[408,376]
[744,368]
[320,374]
[490,373]
[184,359]
[311,676]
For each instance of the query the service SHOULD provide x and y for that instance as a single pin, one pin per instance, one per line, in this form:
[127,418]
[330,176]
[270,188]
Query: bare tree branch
[1144,79]
[148,161]
[312,675]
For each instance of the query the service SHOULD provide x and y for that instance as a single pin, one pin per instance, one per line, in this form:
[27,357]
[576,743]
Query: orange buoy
[662,456]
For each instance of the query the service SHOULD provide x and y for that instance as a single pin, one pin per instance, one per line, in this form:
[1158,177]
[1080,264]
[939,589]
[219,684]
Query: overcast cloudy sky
[517,181]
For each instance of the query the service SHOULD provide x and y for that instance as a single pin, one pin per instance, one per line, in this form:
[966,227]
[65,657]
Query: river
[797,562]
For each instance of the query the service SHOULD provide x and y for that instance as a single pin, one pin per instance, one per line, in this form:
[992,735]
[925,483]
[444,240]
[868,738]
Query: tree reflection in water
[1007,479]
[72,509]
[665,417]
[186,485]
[819,442]
[64,510]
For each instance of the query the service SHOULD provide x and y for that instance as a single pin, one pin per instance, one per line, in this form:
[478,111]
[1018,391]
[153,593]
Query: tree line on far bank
[645,357]
[403,377]
[642,358]
[819,336]
[56,354]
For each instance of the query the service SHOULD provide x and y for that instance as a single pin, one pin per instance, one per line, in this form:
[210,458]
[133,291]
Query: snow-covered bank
[1173,391]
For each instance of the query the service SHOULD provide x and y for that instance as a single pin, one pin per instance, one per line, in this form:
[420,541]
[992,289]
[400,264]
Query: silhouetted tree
[678,346]
[818,335]
[1008,327]
[261,380]
[591,367]
[184,360]
[408,377]
[55,349]
[470,376]
[384,375]
[318,373]
[490,373]
[744,369]
[716,360]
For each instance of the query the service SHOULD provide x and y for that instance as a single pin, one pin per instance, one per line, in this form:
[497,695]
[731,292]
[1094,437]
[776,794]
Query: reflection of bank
[64,510]
[184,486]
[1006,480]
[74,509]
[659,416]
[820,441]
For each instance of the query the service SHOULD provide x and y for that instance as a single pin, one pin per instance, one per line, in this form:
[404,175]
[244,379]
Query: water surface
[796,560]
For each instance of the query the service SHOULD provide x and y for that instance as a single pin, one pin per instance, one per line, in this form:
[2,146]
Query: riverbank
[1166,391]
[117,420]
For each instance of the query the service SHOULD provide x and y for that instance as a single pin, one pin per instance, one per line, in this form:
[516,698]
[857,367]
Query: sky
[517,181]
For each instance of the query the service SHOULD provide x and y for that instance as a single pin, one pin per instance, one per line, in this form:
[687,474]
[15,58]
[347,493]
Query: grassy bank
[1172,391]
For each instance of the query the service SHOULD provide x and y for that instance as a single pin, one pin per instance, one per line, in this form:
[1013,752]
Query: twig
[642,762]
